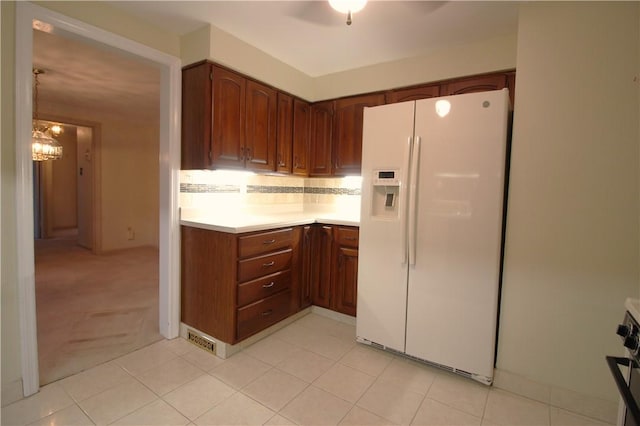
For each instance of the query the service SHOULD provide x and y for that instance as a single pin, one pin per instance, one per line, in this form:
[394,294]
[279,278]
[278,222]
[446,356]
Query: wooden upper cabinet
[347,132]
[412,93]
[284,145]
[228,120]
[480,83]
[196,117]
[320,139]
[231,121]
[228,144]
[261,122]
[300,145]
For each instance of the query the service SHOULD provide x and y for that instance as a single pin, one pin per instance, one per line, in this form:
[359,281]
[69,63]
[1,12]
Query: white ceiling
[83,76]
[307,35]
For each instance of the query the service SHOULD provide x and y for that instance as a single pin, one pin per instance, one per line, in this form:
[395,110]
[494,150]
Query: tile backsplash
[246,192]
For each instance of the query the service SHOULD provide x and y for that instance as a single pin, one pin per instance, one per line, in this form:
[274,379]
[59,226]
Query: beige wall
[86,160]
[219,46]
[572,226]
[10,355]
[129,184]
[474,58]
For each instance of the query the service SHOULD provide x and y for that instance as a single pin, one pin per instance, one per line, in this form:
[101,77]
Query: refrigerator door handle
[413,202]
[405,230]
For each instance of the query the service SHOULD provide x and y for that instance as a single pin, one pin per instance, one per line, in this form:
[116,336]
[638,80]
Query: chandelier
[43,145]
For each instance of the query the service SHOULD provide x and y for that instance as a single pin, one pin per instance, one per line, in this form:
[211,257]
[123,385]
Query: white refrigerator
[433,174]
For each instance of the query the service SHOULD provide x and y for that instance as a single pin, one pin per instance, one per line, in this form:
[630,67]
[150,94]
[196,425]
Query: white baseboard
[12,392]
[347,319]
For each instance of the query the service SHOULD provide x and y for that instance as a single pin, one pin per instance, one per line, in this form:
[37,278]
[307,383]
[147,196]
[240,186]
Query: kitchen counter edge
[269,224]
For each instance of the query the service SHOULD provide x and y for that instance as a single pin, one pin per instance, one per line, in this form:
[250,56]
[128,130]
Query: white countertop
[245,222]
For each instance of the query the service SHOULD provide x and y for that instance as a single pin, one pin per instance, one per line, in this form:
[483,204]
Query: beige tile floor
[310,372]
[92,308]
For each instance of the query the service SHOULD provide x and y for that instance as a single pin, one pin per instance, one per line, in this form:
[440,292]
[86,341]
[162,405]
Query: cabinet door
[196,117]
[321,269]
[228,119]
[481,83]
[306,259]
[301,121]
[320,141]
[284,143]
[260,137]
[347,132]
[413,93]
[346,280]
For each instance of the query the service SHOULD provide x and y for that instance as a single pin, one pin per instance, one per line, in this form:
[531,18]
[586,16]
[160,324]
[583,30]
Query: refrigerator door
[382,256]
[453,286]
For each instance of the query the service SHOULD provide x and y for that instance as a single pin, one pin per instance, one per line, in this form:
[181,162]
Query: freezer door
[453,286]
[382,257]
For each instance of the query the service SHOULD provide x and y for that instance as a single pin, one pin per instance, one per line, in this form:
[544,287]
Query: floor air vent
[201,341]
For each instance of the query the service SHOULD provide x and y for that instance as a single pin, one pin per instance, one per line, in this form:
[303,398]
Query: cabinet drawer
[251,245]
[262,314]
[348,237]
[263,287]
[255,267]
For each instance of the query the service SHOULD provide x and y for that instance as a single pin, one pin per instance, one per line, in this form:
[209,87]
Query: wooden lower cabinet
[321,267]
[262,314]
[306,261]
[334,277]
[235,285]
[345,267]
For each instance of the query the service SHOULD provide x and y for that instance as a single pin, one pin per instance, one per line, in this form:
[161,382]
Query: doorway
[69,213]
[26,15]
[92,306]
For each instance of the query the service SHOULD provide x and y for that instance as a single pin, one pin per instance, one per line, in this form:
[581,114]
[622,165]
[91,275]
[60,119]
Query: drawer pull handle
[267,313]
[267,265]
[267,242]
[271,284]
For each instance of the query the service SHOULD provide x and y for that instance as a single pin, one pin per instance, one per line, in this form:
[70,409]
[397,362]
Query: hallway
[92,308]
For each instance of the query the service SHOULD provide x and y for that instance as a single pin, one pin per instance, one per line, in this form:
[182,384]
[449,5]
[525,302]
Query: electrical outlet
[131,234]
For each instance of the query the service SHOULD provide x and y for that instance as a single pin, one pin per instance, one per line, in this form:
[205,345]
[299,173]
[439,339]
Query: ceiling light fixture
[348,6]
[43,145]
